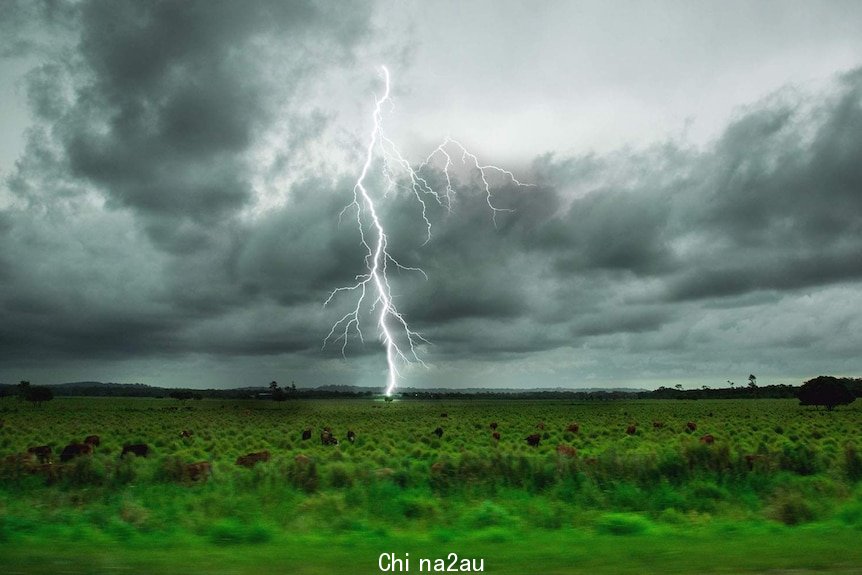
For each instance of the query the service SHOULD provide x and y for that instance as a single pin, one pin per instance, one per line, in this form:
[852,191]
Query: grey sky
[174,172]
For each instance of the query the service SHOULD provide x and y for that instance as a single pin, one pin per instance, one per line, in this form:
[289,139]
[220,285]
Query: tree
[277,393]
[825,390]
[37,395]
[23,389]
[752,381]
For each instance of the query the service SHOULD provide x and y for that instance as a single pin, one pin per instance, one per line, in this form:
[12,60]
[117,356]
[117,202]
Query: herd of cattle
[39,458]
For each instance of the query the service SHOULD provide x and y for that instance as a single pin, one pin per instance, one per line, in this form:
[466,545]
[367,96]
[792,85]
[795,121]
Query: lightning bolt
[395,170]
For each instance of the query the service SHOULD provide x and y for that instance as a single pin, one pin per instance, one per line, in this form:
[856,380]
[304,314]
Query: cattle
[199,470]
[691,426]
[444,414]
[657,424]
[75,450]
[533,440]
[496,436]
[306,434]
[42,452]
[631,429]
[351,436]
[93,440]
[302,460]
[494,425]
[251,459]
[566,450]
[326,438]
[573,427]
[186,433]
[438,432]
[138,449]
[540,425]
[708,439]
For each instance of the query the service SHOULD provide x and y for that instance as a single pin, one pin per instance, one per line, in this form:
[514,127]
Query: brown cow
[93,440]
[139,449]
[351,436]
[199,470]
[496,436]
[326,438]
[438,432]
[631,429]
[708,439]
[42,452]
[691,426]
[540,425]
[566,450]
[306,434]
[533,440]
[493,425]
[573,427]
[251,459]
[657,424]
[75,450]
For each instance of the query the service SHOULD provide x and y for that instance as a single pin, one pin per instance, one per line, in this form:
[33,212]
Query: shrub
[791,508]
[622,524]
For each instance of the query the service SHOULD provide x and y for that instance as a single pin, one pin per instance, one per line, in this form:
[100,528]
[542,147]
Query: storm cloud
[137,238]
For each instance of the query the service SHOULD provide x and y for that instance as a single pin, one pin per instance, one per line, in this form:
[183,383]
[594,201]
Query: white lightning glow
[389,320]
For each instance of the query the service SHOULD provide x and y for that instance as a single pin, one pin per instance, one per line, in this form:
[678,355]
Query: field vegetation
[766,476]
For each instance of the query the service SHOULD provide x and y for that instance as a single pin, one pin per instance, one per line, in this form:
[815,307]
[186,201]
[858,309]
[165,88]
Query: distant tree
[732,383]
[23,389]
[277,393]
[752,381]
[183,395]
[38,395]
[678,386]
[825,390]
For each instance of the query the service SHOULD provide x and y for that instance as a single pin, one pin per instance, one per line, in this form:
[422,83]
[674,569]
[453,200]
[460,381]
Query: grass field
[777,490]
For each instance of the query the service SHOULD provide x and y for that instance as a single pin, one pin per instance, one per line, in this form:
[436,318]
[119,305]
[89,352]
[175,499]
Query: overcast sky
[173,174]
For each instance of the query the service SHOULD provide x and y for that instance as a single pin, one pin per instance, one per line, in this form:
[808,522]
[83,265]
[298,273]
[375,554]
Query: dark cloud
[133,231]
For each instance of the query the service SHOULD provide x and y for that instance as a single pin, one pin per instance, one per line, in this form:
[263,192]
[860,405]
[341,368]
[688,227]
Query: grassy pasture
[778,489]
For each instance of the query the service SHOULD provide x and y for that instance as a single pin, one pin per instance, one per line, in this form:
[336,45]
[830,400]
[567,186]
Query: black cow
[496,436]
[306,434]
[493,425]
[75,450]
[438,432]
[326,438]
[139,449]
[351,437]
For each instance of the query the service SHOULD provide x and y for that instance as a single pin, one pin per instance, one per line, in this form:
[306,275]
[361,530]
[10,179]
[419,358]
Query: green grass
[753,549]
[778,490]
